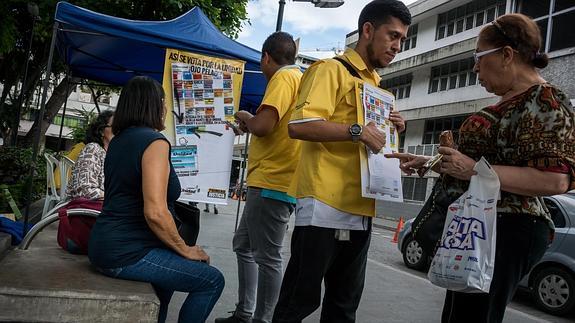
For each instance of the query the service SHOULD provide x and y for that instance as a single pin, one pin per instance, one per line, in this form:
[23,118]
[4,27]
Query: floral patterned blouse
[87,178]
[533,129]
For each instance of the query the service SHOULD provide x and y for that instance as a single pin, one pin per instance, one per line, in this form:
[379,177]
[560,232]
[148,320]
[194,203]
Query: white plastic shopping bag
[465,258]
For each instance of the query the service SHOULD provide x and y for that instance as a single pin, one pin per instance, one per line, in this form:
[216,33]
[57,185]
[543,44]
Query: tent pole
[36,144]
[242,179]
[68,78]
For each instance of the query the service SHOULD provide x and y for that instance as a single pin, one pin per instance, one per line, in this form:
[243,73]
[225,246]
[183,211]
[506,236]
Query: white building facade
[433,79]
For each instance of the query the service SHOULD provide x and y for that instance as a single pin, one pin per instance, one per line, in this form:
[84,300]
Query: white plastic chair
[66,165]
[52,196]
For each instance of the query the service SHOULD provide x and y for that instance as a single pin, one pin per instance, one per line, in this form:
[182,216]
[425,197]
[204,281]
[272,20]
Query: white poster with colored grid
[202,95]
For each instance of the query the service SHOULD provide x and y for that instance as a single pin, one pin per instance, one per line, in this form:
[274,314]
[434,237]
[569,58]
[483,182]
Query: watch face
[355,129]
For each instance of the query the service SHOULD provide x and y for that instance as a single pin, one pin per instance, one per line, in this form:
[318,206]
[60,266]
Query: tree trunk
[57,99]
[95,98]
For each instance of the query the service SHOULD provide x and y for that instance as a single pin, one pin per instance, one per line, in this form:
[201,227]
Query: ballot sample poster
[380,176]
[202,95]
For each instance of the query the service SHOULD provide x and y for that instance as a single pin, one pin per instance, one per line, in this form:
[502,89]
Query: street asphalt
[392,293]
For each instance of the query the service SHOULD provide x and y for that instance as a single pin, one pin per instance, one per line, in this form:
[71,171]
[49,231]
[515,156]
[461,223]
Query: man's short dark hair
[378,12]
[281,47]
[141,104]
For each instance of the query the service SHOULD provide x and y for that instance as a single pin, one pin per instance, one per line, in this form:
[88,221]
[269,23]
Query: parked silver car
[552,280]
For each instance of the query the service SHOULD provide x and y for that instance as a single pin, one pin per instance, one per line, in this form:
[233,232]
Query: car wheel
[554,290]
[413,255]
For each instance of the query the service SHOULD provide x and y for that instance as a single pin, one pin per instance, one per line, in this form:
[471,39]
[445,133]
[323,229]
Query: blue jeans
[169,272]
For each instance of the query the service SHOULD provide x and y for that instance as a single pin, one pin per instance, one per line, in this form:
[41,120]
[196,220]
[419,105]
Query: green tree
[15,30]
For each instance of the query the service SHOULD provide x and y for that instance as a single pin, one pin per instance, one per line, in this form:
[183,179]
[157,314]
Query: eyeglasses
[478,55]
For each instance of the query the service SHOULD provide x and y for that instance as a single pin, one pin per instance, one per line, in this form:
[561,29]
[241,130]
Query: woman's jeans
[169,272]
[521,242]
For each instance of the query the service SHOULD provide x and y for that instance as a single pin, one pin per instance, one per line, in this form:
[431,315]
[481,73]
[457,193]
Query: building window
[411,38]
[69,121]
[414,188]
[434,127]
[105,99]
[452,75]
[400,86]
[554,17]
[473,14]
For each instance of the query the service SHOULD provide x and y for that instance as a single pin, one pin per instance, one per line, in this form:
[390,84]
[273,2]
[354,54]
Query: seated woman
[87,178]
[86,186]
[135,237]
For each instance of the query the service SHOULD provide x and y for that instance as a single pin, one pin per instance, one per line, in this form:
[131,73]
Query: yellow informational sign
[202,95]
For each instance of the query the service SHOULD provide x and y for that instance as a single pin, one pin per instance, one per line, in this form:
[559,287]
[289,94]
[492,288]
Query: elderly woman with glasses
[529,139]
[87,179]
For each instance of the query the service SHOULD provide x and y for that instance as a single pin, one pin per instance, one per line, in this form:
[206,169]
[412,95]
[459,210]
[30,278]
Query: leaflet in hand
[380,176]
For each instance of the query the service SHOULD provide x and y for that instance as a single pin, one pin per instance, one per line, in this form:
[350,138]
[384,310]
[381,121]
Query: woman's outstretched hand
[456,164]
[409,163]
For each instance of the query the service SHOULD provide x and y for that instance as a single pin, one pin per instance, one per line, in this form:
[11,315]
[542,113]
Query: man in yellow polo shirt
[273,157]
[333,221]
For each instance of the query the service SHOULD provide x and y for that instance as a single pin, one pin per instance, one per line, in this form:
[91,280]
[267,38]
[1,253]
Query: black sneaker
[215,211]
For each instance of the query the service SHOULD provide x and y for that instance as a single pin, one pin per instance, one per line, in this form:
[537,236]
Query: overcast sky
[319,29]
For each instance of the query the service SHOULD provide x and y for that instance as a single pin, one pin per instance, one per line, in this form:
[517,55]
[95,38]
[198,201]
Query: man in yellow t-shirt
[273,157]
[333,221]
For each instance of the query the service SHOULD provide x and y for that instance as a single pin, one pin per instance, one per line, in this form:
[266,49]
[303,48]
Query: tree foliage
[15,29]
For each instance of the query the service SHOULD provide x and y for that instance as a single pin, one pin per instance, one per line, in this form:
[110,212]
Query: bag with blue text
[465,257]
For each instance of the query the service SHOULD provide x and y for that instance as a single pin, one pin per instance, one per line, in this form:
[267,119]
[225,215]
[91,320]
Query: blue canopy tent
[112,50]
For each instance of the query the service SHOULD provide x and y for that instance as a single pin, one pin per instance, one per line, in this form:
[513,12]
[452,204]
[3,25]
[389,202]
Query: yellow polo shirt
[330,171]
[272,159]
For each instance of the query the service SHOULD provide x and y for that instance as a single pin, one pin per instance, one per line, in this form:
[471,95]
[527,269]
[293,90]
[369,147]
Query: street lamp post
[317,3]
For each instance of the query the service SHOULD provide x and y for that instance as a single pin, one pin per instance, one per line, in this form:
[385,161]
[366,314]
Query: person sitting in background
[135,237]
[86,186]
[87,179]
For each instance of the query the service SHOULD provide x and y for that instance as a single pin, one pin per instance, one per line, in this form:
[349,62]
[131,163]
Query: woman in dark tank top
[135,237]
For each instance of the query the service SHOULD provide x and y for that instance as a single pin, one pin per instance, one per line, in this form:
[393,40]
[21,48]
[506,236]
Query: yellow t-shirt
[330,171]
[273,158]
[73,155]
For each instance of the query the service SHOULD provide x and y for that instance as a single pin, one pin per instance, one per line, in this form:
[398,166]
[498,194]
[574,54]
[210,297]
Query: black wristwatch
[355,131]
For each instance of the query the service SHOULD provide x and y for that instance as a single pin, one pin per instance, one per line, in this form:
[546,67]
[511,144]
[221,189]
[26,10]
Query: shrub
[15,166]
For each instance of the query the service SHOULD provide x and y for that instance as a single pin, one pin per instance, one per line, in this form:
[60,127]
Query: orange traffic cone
[399,227]
[234,196]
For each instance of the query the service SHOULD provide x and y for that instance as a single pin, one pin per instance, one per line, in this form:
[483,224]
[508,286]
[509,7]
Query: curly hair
[95,131]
